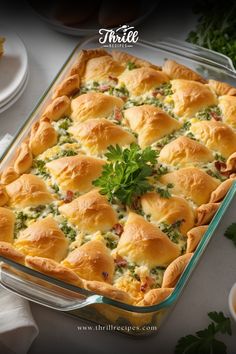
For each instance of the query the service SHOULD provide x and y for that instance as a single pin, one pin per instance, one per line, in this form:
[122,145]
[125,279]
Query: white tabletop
[209,285]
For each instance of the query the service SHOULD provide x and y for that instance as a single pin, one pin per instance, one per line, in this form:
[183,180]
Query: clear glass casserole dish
[61,296]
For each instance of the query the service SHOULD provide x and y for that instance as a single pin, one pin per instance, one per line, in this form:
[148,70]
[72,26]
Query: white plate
[13,65]
[17,95]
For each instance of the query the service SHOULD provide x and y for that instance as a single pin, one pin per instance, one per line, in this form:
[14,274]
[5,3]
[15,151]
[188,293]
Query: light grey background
[209,285]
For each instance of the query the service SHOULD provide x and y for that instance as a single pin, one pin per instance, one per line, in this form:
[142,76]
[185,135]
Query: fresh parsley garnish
[216,27]
[124,177]
[165,192]
[20,223]
[205,341]
[130,65]
[230,233]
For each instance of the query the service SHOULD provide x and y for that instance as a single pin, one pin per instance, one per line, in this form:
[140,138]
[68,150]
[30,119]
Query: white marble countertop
[208,287]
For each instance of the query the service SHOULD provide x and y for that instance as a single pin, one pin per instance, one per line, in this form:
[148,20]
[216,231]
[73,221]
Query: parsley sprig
[230,233]
[205,341]
[124,177]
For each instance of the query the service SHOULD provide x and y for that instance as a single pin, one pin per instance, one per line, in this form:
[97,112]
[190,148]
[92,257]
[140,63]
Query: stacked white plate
[13,69]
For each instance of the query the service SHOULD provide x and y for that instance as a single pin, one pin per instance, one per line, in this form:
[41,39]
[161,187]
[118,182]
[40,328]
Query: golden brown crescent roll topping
[98,134]
[191,96]
[43,238]
[3,196]
[174,270]
[28,190]
[7,221]
[222,88]
[144,243]
[69,86]
[219,193]
[57,109]
[76,173]
[155,296]
[192,183]
[90,212]
[83,57]
[227,105]
[8,251]
[168,210]
[9,175]
[101,68]
[53,269]
[125,58]
[194,237]
[184,151]
[139,80]
[178,71]
[94,105]
[216,136]
[206,212]
[24,159]
[150,122]
[91,261]
[42,137]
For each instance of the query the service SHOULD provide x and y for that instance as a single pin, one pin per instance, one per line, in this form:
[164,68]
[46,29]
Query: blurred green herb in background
[216,28]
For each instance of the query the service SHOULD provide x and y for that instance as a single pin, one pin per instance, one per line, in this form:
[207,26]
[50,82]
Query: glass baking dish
[85,304]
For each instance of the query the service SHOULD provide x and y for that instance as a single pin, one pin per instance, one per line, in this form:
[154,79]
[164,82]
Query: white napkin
[17,326]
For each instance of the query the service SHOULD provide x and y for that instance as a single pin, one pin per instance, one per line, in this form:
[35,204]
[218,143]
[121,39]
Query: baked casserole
[120,176]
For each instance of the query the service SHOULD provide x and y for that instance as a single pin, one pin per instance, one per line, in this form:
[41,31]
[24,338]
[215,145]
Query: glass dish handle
[44,293]
[205,53]
[201,54]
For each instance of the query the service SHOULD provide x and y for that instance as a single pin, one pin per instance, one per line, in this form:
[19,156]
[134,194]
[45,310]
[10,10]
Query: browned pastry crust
[8,251]
[220,192]
[101,68]
[98,134]
[215,135]
[84,56]
[57,109]
[169,210]
[9,175]
[53,269]
[76,173]
[184,151]
[192,183]
[125,58]
[150,122]
[191,96]
[24,159]
[7,222]
[139,80]
[143,243]
[205,213]
[178,71]
[69,86]
[222,88]
[174,270]
[227,105]
[42,136]
[91,261]
[231,163]
[155,296]
[94,105]
[194,236]
[43,238]
[99,287]
[3,196]
[28,190]
[90,212]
